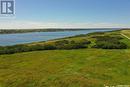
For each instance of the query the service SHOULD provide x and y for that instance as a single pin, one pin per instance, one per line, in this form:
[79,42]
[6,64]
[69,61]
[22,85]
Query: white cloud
[13,24]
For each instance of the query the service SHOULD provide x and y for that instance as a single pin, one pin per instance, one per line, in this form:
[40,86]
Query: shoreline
[55,38]
[19,31]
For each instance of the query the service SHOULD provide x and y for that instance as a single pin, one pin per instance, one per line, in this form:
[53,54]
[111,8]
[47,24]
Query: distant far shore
[13,31]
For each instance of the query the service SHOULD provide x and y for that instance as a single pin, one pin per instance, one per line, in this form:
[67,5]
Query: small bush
[49,47]
[61,44]
[84,41]
[66,44]
[107,42]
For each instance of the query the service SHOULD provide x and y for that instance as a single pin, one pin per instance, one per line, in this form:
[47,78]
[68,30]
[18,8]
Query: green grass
[126,40]
[65,68]
[104,40]
[126,32]
[68,68]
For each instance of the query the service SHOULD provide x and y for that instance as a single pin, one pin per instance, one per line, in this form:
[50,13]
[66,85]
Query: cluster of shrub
[66,44]
[109,42]
[61,44]
[104,42]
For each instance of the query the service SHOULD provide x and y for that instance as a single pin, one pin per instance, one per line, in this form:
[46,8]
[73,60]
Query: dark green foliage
[109,42]
[16,49]
[49,47]
[61,44]
[109,45]
[108,38]
[66,44]
[84,41]
[35,47]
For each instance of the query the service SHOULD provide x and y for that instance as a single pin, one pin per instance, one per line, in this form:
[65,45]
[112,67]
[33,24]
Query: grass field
[67,68]
[126,32]
[73,68]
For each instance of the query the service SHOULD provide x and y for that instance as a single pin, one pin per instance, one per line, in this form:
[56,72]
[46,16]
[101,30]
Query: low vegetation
[66,68]
[109,42]
[102,40]
[61,44]
[58,66]
[126,32]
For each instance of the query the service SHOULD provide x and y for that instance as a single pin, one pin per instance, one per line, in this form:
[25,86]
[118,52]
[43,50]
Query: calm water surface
[13,39]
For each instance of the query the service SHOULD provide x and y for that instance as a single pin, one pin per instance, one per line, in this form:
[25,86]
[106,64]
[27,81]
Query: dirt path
[125,36]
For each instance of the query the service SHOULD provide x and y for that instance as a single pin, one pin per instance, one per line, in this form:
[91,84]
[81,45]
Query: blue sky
[72,13]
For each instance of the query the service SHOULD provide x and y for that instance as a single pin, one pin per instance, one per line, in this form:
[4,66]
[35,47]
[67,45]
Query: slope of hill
[103,40]
[88,67]
[66,68]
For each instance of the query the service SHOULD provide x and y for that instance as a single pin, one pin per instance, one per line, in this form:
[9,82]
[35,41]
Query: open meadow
[95,65]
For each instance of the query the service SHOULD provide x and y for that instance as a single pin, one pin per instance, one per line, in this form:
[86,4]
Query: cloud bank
[36,25]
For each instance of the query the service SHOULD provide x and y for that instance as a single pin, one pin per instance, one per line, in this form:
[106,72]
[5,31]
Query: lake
[21,38]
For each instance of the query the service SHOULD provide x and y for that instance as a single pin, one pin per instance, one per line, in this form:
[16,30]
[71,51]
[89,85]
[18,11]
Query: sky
[69,14]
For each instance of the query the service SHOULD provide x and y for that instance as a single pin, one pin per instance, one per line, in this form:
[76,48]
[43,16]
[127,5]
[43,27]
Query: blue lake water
[20,38]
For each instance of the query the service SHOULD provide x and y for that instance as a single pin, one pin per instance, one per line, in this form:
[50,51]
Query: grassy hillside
[92,37]
[126,32]
[102,40]
[88,67]
[73,68]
